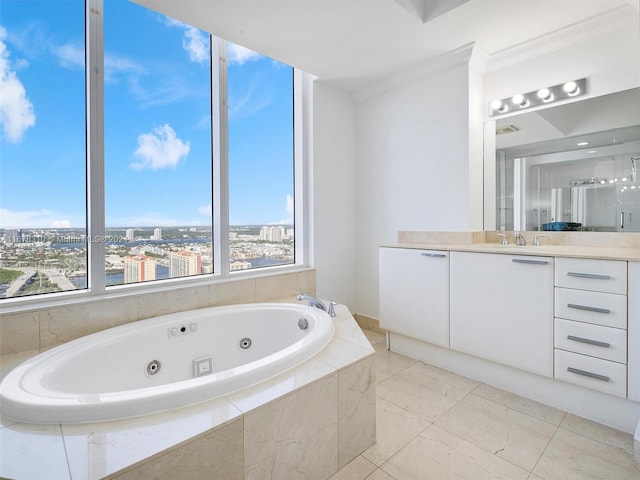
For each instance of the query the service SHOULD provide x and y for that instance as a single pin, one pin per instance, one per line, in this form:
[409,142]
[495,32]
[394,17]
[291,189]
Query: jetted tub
[163,362]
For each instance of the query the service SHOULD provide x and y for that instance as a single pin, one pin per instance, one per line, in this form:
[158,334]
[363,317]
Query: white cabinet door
[414,293]
[502,309]
[633,369]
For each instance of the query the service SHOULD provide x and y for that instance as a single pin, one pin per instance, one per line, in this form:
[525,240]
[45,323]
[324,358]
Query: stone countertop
[568,251]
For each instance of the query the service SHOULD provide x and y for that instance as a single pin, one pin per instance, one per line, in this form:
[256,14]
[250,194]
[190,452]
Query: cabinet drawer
[607,309]
[596,275]
[593,340]
[603,375]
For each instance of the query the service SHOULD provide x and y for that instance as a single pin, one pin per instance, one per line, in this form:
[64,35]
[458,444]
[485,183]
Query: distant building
[272,234]
[12,236]
[139,269]
[184,263]
[238,265]
[157,234]
[129,235]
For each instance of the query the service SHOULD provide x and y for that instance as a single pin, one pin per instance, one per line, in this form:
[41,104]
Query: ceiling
[353,43]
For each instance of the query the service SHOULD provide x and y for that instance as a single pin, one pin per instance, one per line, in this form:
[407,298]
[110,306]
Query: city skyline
[157,122]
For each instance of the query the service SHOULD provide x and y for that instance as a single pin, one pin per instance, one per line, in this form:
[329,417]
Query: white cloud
[61,223]
[205,210]
[289,212]
[159,149]
[70,56]
[34,219]
[196,45]
[115,65]
[238,55]
[16,110]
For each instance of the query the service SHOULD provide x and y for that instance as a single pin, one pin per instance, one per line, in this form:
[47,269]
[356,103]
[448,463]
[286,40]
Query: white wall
[608,57]
[334,207]
[412,164]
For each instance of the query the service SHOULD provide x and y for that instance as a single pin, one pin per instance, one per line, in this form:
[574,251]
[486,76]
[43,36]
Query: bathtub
[163,362]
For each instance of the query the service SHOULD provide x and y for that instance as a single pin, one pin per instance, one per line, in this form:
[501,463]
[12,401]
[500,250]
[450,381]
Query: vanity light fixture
[542,96]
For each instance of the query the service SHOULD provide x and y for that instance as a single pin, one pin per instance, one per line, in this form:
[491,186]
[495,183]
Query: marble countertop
[569,251]
[595,245]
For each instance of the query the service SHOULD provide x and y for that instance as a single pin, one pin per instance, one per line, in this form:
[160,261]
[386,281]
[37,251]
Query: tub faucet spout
[316,302]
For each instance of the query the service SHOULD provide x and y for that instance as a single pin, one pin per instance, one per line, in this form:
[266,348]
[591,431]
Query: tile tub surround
[304,424]
[43,327]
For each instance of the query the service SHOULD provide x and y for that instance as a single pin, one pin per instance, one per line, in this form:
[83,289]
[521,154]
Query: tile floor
[433,424]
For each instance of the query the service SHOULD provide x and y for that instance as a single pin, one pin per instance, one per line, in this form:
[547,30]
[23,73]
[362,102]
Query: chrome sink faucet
[520,240]
[316,302]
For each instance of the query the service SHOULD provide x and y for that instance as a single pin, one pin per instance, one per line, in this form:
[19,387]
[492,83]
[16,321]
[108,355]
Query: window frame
[95,182]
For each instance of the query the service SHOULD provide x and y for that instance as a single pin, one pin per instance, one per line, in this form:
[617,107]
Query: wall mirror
[572,167]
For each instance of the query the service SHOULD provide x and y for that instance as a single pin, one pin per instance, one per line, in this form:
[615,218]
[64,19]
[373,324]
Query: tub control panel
[182,330]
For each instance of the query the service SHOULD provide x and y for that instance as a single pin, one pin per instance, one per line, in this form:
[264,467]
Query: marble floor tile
[425,391]
[439,455]
[599,432]
[570,456]
[523,405]
[499,430]
[395,427]
[390,363]
[380,475]
[358,469]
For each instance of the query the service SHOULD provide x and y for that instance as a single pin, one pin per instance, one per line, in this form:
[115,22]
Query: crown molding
[447,61]
[592,27]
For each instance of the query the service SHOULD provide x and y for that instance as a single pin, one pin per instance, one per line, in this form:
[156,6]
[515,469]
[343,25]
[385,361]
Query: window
[43,150]
[157,164]
[260,124]
[157,156]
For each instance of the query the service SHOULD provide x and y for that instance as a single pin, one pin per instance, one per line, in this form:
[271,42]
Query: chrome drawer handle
[433,255]
[588,309]
[531,262]
[589,275]
[589,341]
[604,378]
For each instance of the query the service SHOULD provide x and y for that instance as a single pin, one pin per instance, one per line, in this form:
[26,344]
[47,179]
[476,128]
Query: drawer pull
[531,262]
[588,309]
[589,275]
[604,378]
[433,255]
[589,341]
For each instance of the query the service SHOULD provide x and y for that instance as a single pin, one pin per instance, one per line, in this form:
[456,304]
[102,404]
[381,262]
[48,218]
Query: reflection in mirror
[571,167]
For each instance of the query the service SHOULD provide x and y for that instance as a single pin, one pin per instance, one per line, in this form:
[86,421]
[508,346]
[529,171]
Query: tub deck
[324,413]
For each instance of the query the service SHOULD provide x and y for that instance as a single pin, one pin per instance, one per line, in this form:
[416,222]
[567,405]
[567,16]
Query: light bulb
[571,88]
[498,106]
[545,95]
[520,100]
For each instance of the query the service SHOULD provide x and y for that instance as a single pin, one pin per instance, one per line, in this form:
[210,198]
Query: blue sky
[157,121]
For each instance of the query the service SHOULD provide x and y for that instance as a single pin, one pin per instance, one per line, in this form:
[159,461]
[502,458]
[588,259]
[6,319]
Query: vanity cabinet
[414,293]
[591,324]
[502,309]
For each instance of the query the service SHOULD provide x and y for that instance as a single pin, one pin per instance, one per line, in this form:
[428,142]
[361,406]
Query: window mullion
[220,156]
[95,147]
